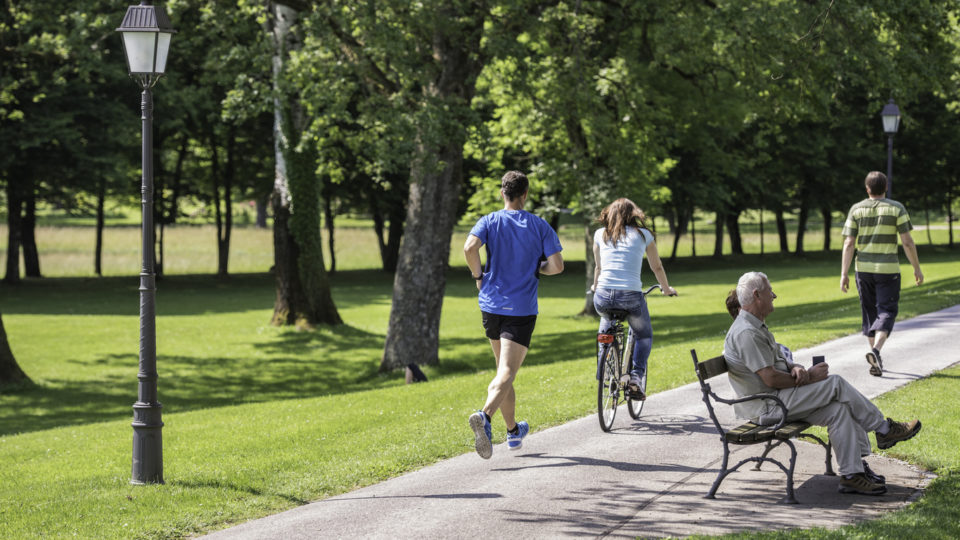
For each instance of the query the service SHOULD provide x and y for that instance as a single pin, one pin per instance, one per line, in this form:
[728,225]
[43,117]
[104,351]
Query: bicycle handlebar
[652,287]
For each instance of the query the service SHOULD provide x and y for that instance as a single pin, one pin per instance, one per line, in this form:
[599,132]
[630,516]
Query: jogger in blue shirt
[519,247]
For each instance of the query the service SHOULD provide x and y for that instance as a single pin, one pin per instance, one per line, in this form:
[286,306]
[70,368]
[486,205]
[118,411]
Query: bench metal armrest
[772,397]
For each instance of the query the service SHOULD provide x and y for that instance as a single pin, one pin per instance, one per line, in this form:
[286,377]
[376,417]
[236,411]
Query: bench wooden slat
[712,367]
[749,433]
[792,429]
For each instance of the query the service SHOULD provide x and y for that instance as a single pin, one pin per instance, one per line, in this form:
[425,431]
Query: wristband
[476,278]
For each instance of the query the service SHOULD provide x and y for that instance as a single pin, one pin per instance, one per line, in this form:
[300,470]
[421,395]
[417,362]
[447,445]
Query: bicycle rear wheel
[608,387]
[636,405]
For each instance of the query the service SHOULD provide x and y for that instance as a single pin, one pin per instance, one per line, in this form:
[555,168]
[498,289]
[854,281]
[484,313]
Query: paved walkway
[646,478]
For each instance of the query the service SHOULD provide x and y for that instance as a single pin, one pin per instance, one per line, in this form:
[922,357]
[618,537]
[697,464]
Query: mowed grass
[260,419]
[68,251]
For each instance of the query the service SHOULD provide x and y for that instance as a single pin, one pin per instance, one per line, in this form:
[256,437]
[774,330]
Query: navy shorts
[879,301]
[517,329]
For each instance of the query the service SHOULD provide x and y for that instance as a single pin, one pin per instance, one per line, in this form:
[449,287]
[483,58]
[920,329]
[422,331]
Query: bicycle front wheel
[636,405]
[608,387]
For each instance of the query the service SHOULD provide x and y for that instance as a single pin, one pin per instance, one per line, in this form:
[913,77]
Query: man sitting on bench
[757,365]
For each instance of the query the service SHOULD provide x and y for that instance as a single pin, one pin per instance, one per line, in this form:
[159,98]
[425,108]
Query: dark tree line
[409,112]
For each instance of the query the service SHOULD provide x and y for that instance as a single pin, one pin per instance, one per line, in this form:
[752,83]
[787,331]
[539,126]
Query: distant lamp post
[891,121]
[146,34]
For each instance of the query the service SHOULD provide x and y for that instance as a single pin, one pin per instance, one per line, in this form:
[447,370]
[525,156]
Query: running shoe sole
[890,444]
[481,441]
[875,368]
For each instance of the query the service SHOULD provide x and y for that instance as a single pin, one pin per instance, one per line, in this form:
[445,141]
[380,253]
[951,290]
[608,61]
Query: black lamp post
[891,121]
[146,34]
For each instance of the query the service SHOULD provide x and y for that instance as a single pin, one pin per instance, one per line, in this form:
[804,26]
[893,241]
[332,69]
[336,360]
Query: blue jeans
[634,303]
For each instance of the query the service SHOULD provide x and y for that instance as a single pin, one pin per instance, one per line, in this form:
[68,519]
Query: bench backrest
[708,368]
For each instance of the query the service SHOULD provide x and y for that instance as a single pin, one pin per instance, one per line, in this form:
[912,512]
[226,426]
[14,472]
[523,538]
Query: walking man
[520,246]
[871,228]
[757,366]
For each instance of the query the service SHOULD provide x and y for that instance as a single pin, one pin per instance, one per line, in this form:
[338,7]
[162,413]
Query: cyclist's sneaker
[482,433]
[872,476]
[634,387]
[515,442]
[860,484]
[876,367]
[899,431]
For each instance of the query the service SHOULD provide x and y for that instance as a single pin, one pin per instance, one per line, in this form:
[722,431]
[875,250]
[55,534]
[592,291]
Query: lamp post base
[147,444]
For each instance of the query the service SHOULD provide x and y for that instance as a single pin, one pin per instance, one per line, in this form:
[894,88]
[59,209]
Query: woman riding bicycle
[618,247]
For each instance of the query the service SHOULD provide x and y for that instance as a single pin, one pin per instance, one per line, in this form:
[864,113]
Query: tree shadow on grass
[189,383]
[178,294]
[339,360]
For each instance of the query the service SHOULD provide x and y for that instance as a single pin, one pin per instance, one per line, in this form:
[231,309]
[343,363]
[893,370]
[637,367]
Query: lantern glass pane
[890,123]
[140,47]
[163,47]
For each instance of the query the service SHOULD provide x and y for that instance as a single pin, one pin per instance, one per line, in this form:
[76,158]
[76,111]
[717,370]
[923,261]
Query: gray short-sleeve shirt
[748,348]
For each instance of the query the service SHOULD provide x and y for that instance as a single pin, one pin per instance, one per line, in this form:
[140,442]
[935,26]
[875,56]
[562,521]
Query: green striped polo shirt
[876,223]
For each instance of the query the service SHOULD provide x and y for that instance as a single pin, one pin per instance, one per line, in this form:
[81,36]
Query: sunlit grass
[259,419]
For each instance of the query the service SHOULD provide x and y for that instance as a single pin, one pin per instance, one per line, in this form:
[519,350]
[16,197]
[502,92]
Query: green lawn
[259,419]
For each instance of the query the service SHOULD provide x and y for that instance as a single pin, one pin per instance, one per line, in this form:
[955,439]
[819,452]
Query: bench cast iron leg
[723,471]
[791,498]
[771,444]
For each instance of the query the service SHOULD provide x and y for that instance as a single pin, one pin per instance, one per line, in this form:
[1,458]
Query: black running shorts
[517,329]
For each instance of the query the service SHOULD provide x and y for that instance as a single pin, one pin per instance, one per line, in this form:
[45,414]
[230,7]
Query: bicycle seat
[618,314]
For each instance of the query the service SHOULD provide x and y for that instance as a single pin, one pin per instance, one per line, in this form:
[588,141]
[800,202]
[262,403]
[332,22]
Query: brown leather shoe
[899,431]
[861,485]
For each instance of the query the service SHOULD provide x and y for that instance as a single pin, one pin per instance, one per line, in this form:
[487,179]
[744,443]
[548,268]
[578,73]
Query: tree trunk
[391,256]
[782,231]
[413,335]
[168,214]
[303,290]
[718,235]
[328,222]
[28,238]
[228,180]
[801,227]
[950,214]
[159,188]
[10,371]
[827,226]
[761,231]
[693,231]
[677,232]
[436,177]
[14,222]
[262,203]
[98,249]
[733,231]
[591,270]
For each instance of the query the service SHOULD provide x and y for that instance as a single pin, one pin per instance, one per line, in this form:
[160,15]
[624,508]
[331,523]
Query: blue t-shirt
[515,240]
[620,265]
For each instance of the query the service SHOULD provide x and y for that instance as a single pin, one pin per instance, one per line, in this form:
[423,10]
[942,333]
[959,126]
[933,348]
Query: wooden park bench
[751,433]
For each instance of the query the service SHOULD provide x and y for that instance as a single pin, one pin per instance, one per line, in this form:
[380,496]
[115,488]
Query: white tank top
[620,265]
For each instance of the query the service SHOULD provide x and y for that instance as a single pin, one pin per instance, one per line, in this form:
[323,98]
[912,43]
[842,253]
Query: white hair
[750,282]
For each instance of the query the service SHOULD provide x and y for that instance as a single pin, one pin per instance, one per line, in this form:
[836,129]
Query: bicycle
[612,380]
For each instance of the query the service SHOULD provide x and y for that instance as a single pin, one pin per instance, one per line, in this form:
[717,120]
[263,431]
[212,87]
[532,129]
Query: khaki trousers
[847,414]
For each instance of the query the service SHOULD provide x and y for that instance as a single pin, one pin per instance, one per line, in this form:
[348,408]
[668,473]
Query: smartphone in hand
[818,359]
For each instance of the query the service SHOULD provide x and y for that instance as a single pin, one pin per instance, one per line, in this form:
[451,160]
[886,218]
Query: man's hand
[818,372]
[918,275]
[844,283]
[800,375]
